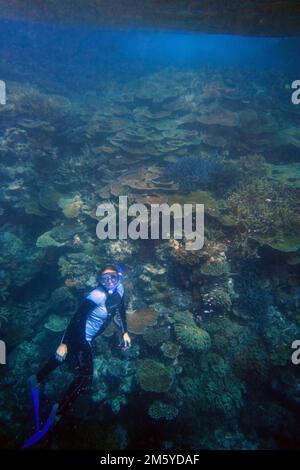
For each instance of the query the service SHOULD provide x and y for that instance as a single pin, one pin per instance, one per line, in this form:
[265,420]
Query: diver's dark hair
[112,267]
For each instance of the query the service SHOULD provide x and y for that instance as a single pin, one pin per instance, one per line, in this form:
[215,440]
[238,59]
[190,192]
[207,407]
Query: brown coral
[138,321]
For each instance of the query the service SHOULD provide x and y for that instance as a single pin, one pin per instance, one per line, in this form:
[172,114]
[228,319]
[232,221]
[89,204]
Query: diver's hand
[126,340]
[61,352]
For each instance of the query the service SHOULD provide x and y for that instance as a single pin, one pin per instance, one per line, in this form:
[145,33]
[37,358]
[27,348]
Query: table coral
[139,320]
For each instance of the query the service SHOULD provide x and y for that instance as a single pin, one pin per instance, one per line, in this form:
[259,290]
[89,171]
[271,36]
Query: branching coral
[248,355]
[264,208]
[213,388]
[192,337]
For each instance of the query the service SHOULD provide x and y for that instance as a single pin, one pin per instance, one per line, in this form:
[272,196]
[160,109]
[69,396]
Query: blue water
[79,54]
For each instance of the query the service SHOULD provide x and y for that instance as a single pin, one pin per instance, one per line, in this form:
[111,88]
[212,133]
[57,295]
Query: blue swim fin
[42,432]
[34,389]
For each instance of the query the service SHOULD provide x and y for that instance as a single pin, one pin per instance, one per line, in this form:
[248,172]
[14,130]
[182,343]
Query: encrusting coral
[160,410]
[154,376]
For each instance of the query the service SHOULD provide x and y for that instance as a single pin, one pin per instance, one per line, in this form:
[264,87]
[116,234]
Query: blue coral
[193,173]
[251,297]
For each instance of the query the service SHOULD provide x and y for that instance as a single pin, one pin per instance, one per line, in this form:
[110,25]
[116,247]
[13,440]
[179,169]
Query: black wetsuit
[75,336]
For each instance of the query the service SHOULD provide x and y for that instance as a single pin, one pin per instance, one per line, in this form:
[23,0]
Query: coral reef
[213,387]
[211,329]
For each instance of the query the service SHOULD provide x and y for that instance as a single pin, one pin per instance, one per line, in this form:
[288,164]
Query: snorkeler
[90,320]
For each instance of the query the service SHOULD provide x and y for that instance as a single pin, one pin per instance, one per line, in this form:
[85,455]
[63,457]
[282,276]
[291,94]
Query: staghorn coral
[153,376]
[191,337]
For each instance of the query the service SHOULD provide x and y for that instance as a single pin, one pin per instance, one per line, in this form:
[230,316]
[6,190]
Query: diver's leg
[84,379]
[51,365]
[35,389]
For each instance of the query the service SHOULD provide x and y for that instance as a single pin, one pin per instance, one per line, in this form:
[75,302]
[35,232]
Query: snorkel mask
[110,278]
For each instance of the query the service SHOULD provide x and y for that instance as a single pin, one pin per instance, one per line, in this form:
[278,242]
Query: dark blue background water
[74,55]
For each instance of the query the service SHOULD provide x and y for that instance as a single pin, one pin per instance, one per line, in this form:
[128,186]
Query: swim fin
[51,420]
[34,389]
